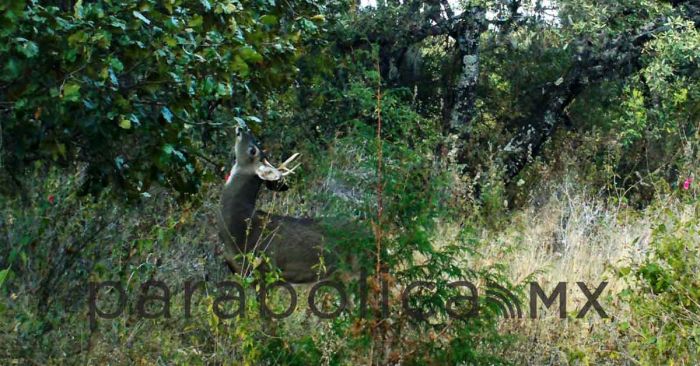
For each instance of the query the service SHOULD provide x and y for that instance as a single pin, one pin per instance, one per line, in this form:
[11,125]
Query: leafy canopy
[132,89]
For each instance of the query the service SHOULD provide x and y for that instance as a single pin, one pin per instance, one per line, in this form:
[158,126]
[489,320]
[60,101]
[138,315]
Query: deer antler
[282,168]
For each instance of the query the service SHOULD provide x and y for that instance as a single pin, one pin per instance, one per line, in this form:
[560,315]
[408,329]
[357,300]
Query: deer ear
[273,176]
[268,173]
[276,185]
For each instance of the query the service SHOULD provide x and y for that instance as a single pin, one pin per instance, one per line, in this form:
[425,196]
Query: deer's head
[252,162]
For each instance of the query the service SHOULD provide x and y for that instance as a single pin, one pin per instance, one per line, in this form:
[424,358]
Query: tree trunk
[463,106]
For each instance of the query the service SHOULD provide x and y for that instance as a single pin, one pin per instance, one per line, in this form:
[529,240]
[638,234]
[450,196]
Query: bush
[664,297]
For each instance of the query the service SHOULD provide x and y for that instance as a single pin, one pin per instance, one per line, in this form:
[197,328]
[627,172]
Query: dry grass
[573,237]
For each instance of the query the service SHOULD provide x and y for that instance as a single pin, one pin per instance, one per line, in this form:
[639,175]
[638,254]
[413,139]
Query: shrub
[664,297]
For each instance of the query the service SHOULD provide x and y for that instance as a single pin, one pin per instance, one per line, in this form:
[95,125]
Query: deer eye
[252,151]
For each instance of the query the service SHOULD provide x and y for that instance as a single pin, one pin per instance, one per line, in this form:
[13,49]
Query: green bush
[664,297]
[137,90]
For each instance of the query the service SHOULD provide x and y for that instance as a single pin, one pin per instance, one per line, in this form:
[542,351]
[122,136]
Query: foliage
[663,296]
[135,91]
[80,239]
[137,100]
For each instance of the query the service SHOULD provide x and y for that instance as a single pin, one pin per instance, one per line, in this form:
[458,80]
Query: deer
[298,247]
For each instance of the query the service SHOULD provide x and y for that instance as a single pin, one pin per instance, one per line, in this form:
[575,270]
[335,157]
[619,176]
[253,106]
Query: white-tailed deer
[294,245]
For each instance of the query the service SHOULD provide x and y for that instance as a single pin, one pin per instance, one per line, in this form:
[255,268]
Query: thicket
[116,125]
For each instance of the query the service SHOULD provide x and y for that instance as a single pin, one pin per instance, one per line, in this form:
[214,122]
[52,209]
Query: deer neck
[239,196]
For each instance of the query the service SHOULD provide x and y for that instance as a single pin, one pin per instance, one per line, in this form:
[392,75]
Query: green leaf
[3,276]
[113,77]
[223,89]
[239,66]
[167,114]
[179,155]
[12,70]
[71,92]
[141,16]
[118,23]
[229,8]
[125,124]
[28,48]
[77,38]
[119,162]
[624,271]
[269,19]
[116,65]
[250,55]
[196,21]
[318,18]
[308,25]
